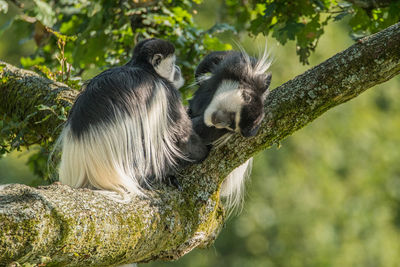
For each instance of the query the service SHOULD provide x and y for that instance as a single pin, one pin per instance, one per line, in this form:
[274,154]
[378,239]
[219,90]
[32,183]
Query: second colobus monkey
[128,126]
[230,100]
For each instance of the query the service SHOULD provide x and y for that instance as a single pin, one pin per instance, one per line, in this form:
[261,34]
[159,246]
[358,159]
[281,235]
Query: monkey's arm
[196,149]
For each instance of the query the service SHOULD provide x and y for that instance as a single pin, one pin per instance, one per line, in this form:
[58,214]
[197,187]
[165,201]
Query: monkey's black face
[232,97]
[237,108]
[251,114]
[250,119]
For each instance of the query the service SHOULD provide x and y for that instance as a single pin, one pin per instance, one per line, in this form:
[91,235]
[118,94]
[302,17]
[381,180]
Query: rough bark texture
[21,92]
[79,227]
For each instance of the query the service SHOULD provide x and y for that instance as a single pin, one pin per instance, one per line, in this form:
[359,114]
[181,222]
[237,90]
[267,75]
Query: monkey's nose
[251,132]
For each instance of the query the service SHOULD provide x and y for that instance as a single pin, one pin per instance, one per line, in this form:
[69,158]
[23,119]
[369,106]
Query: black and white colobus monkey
[232,89]
[128,126]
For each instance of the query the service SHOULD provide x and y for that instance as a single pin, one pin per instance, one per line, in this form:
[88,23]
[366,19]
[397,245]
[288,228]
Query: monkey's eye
[157,61]
[247,98]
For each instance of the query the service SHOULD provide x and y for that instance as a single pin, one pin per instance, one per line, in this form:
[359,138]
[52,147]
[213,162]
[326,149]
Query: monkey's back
[122,131]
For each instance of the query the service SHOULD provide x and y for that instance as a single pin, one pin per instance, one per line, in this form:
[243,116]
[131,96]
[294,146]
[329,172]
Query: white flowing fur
[121,155]
[233,186]
[232,189]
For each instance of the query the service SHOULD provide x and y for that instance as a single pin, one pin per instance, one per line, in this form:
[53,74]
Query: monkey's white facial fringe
[232,188]
[179,83]
[264,61]
[166,68]
[124,155]
[228,98]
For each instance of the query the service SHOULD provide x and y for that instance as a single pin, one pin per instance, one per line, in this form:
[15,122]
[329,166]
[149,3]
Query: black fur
[115,91]
[229,65]
[145,50]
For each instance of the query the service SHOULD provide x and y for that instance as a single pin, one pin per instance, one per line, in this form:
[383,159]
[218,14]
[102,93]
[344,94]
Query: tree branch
[21,92]
[74,227]
[369,4]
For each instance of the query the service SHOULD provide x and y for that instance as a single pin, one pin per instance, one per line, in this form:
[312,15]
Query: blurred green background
[329,196]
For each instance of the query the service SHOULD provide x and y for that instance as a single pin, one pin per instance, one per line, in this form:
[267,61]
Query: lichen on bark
[22,92]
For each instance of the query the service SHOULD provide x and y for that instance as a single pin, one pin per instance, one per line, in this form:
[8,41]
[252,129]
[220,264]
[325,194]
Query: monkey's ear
[156,60]
[209,63]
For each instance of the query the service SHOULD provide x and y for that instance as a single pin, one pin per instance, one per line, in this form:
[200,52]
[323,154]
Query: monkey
[232,88]
[128,128]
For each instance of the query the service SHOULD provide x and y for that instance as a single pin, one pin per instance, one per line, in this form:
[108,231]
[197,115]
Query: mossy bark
[21,92]
[80,227]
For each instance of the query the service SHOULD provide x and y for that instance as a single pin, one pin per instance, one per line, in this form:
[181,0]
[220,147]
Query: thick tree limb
[21,93]
[58,224]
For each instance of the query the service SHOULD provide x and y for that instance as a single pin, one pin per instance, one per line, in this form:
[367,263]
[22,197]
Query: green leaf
[44,13]
[344,5]
[43,107]
[341,15]
[44,119]
[93,9]
[3,6]
[28,62]
[213,43]
[288,31]
[359,19]
[319,4]
[220,28]
[6,26]
[270,10]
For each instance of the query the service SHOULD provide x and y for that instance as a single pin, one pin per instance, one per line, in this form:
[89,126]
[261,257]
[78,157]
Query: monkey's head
[160,55]
[240,85]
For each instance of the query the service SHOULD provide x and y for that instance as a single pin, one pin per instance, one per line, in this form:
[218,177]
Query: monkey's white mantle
[79,227]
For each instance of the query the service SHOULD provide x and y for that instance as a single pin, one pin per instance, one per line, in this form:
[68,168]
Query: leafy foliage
[304,21]
[3,6]
[74,36]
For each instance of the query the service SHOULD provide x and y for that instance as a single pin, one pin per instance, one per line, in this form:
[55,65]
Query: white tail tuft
[232,189]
